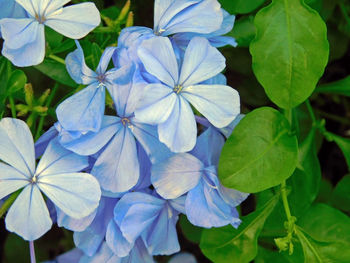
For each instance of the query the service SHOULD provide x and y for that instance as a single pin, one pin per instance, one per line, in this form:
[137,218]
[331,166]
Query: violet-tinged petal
[158,57]
[104,254]
[157,104]
[77,68]
[29,216]
[43,141]
[11,180]
[201,62]
[179,131]
[227,131]
[17,146]
[176,175]
[57,159]
[74,21]
[73,224]
[117,168]
[76,194]
[84,110]
[105,59]
[218,103]
[116,241]
[88,242]
[183,257]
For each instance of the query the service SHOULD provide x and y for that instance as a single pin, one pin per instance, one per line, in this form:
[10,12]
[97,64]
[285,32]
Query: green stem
[58,59]
[333,117]
[311,111]
[344,11]
[7,204]
[13,107]
[285,201]
[42,118]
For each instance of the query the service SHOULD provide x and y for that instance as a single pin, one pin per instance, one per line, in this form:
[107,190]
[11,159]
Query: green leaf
[96,54]
[5,72]
[324,234]
[341,87]
[290,51]
[191,232]
[340,197]
[243,31]
[52,37]
[65,45]
[260,153]
[57,71]
[241,6]
[16,81]
[343,144]
[269,256]
[227,243]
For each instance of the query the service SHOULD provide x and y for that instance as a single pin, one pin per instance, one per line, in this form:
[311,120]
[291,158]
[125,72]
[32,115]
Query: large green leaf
[341,87]
[341,195]
[241,6]
[290,51]
[260,153]
[227,243]
[324,233]
[57,71]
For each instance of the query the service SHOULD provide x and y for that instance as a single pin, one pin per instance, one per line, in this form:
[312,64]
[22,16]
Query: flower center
[101,78]
[126,122]
[159,32]
[40,19]
[177,89]
[33,180]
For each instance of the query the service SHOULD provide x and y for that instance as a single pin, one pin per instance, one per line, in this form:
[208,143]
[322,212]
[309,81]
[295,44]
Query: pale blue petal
[28,6]
[84,110]
[92,142]
[201,62]
[117,168]
[31,53]
[77,68]
[116,241]
[17,146]
[157,104]
[57,159]
[105,59]
[88,242]
[76,194]
[71,256]
[74,21]
[11,9]
[221,41]
[227,131]
[179,204]
[29,216]
[145,169]
[219,79]
[204,17]
[52,6]
[43,141]
[176,175]
[218,103]
[11,180]
[179,132]
[209,146]
[183,257]
[73,224]
[161,237]
[158,57]
[139,254]
[104,254]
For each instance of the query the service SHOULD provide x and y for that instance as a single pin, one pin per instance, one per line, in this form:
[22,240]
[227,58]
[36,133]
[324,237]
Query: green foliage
[290,51]
[340,197]
[261,158]
[341,87]
[241,6]
[191,232]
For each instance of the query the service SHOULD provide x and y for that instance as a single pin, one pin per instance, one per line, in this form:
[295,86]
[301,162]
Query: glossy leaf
[227,243]
[243,31]
[290,51]
[241,6]
[341,195]
[341,87]
[5,72]
[261,152]
[16,81]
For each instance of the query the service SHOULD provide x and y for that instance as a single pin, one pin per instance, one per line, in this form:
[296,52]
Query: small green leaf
[290,51]
[16,81]
[227,243]
[57,71]
[341,87]
[243,31]
[340,197]
[343,144]
[241,6]
[260,153]
[52,37]
[5,72]
[96,54]
[65,45]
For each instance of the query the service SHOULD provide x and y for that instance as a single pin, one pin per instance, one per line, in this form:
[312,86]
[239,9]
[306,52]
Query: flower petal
[52,6]
[76,194]
[116,241]
[179,132]
[17,146]
[176,175]
[57,159]
[158,57]
[11,180]
[73,224]
[29,216]
[74,21]
[84,110]
[28,6]
[156,105]
[105,59]
[117,168]
[218,103]
[201,62]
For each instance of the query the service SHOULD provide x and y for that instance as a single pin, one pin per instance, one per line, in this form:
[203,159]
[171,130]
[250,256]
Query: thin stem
[333,117]
[32,252]
[13,107]
[58,59]
[311,111]
[285,201]
[42,118]
[9,201]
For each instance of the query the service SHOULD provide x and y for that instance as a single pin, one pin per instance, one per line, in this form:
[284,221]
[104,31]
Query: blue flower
[10,9]
[208,203]
[167,104]
[77,194]
[84,111]
[25,38]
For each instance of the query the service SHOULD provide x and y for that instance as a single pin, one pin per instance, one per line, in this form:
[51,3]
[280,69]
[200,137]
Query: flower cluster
[146,164]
